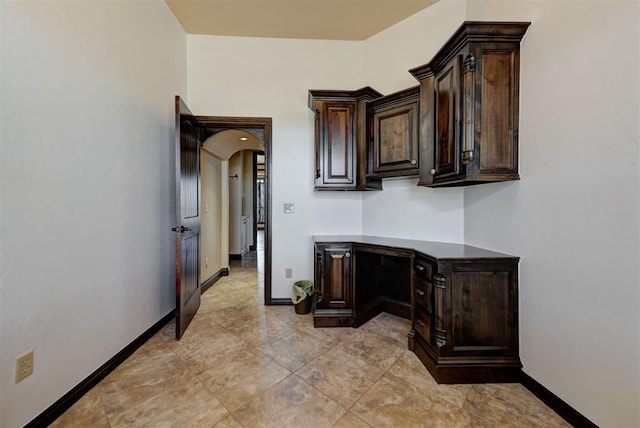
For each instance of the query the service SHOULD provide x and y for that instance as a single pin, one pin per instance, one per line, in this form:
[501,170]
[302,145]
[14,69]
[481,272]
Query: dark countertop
[436,250]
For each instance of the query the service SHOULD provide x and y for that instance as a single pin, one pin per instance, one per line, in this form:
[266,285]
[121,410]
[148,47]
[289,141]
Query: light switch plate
[288,208]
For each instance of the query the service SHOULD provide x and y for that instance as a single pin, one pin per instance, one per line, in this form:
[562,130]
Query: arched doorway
[222,138]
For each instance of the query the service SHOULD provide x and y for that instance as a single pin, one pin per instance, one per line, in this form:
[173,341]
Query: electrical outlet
[206,262]
[24,366]
[288,208]
[288,273]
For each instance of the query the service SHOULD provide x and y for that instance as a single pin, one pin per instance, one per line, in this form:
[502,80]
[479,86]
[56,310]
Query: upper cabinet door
[337,132]
[393,134]
[447,102]
[340,139]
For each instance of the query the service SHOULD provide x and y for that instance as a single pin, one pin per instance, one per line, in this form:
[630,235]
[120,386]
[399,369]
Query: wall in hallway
[212,228]
[236,186]
[247,192]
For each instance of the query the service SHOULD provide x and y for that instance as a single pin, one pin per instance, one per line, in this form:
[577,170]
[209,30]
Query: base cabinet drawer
[422,294]
[423,325]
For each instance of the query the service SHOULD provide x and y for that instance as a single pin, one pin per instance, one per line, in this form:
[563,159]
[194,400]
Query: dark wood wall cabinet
[340,139]
[462,301]
[457,128]
[393,123]
[469,106]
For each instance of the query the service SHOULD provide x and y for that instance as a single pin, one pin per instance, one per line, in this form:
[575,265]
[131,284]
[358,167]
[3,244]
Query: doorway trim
[261,127]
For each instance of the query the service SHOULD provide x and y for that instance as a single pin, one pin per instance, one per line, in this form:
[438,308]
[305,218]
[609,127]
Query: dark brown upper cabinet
[393,122]
[469,106]
[340,139]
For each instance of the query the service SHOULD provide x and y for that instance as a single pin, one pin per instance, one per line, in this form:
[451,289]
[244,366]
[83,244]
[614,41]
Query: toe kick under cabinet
[462,300]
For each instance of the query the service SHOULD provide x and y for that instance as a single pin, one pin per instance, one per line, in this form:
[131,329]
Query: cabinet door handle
[433,171]
[347,255]
[422,323]
[413,161]
[420,293]
[420,268]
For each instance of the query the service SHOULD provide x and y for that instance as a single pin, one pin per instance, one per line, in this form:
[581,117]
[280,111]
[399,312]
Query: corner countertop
[433,249]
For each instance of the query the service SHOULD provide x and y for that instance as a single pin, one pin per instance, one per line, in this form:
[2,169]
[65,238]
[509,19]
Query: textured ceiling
[296,19]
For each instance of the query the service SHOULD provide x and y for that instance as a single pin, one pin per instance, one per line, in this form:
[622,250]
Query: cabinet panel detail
[339,277]
[395,137]
[483,306]
[393,123]
[497,99]
[340,139]
[338,165]
[446,123]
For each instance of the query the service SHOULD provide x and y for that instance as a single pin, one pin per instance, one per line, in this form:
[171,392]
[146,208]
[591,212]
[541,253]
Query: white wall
[211,216]
[402,209]
[235,201]
[573,218]
[87,196]
[247,192]
[234,76]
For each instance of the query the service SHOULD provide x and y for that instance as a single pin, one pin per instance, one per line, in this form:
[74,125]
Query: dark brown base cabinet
[465,319]
[462,300]
[334,293]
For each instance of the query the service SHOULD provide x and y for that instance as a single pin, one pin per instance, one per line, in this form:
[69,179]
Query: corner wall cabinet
[458,127]
[393,134]
[469,106]
[462,300]
[340,139]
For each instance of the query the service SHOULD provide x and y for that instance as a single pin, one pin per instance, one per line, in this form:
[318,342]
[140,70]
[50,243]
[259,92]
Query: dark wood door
[337,138]
[447,150]
[335,282]
[393,123]
[187,217]
[483,310]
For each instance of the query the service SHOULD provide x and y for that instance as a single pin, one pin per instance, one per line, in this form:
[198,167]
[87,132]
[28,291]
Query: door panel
[338,277]
[187,217]
[447,110]
[338,152]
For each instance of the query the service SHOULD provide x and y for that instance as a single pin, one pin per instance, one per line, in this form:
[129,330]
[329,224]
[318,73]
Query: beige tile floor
[241,364]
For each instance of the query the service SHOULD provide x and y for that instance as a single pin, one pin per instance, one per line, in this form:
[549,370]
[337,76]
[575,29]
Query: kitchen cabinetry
[462,300]
[469,95]
[393,134]
[340,139]
[333,285]
[465,323]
